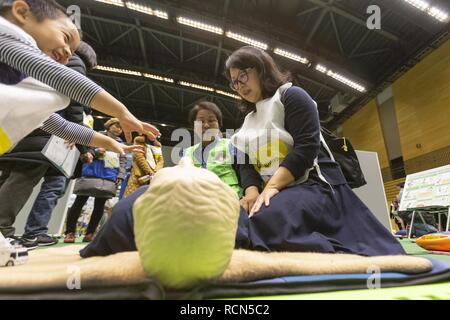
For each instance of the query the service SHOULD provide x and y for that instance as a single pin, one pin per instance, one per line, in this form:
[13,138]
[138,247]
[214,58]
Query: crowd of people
[295,200]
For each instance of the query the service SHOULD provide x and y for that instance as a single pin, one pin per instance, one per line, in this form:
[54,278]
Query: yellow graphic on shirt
[112,160]
[269,157]
[5,143]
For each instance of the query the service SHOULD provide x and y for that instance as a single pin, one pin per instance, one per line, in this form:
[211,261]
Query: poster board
[372,194]
[427,189]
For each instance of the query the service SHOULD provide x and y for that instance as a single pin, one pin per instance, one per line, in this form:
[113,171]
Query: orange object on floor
[435,241]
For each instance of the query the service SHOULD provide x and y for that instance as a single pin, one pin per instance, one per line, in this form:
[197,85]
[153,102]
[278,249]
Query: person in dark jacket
[27,157]
[104,174]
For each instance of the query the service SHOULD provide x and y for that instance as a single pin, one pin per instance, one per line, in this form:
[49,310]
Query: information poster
[429,188]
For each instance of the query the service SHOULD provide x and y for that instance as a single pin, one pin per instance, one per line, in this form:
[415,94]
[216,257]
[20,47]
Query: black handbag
[344,154]
[95,187]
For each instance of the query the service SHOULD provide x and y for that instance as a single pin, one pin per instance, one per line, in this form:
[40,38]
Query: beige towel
[58,267]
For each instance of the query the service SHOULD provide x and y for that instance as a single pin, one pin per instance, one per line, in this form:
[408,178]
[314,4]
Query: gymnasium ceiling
[330,33]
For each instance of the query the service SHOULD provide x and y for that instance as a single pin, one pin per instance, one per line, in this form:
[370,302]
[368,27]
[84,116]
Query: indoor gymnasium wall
[422,103]
[363,129]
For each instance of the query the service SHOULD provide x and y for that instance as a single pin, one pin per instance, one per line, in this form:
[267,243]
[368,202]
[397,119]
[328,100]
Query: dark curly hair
[270,76]
[87,54]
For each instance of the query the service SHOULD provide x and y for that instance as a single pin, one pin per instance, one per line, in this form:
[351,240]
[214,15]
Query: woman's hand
[264,198]
[251,194]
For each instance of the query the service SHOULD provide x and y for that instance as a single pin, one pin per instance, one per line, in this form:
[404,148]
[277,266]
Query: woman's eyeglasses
[242,78]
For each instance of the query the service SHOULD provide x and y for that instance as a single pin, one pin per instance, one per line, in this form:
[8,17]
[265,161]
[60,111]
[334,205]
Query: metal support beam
[117,89]
[123,34]
[360,42]
[167,95]
[316,26]
[181,48]
[318,93]
[224,107]
[336,32]
[142,86]
[141,42]
[97,33]
[385,14]
[191,104]
[317,83]
[354,18]
[226,5]
[217,63]
[150,30]
[163,45]
[199,54]
[90,37]
[181,93]
[369,53]
[152,97]
[307,11]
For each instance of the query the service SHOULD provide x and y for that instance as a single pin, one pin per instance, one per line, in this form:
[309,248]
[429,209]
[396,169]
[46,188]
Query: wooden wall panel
[422,102]
[364,131]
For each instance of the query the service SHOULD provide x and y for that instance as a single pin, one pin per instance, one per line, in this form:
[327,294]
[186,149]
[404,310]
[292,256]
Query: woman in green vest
[218,155]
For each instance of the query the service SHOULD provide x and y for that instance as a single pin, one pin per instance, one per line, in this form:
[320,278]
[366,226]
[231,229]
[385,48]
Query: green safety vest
[218,161]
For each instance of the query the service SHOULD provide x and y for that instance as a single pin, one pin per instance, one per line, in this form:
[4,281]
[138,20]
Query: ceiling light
[419,4]
[147,10]
[196,86]
[118,70]
[224,93]
[438,14]
[156,77]
[199,25]
[291,56]
[321,68]
[246,40]
[118,3]
[341,78]
[432,11]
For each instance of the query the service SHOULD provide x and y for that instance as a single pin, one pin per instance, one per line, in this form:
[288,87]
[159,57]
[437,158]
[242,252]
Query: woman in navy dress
[306,203]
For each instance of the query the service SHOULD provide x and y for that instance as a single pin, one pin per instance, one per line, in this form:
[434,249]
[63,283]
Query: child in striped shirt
[36,39]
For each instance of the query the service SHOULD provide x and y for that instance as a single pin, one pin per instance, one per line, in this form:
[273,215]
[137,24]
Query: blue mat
[315,283]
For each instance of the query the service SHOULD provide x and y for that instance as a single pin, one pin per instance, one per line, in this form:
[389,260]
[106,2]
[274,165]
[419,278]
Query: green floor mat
[412,248]
[439,291]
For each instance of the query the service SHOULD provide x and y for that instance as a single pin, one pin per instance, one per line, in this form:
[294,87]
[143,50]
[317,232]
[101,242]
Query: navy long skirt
[306,218]
[311,217]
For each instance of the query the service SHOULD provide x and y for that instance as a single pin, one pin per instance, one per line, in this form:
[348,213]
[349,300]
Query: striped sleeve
[67,130]
[29,60]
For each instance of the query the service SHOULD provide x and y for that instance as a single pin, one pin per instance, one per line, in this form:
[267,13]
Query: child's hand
[133,148]
[123,149]
[101,141]
[129,123]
